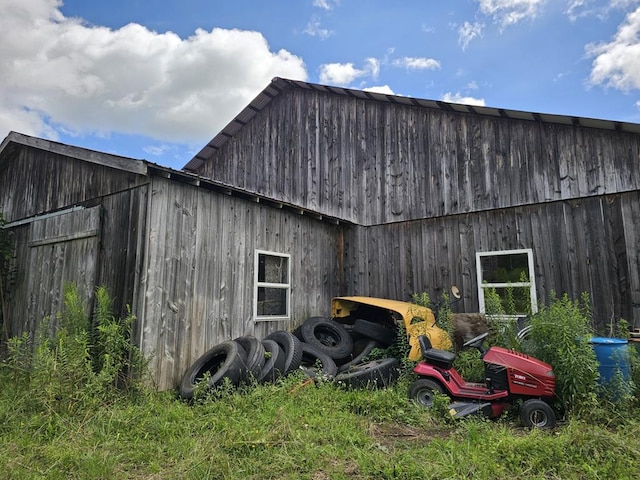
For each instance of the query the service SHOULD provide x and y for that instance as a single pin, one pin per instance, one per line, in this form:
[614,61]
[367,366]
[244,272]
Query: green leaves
[560,336]
[76,362]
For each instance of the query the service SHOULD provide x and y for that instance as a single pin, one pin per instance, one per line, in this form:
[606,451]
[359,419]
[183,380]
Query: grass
[293,430]
[69,411]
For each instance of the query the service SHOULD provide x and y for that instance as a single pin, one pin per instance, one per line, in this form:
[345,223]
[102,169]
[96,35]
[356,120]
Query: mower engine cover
[417,320]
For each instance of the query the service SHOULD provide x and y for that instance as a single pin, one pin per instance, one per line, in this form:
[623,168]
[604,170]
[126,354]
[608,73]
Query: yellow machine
[417,320]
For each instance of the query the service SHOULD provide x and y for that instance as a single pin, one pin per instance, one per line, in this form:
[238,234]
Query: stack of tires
[321,347]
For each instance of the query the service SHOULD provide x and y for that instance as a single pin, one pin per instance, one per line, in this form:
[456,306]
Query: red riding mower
[510,376]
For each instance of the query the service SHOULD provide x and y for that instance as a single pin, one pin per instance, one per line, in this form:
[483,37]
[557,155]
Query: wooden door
[62,249]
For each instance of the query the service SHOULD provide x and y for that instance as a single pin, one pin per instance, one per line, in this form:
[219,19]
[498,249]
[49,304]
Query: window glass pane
[505,268]
[272,301]
[514,300]
[272,269]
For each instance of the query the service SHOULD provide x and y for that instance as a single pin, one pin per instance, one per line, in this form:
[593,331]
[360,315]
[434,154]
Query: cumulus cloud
[617,63]
[384,89]
[417,63]
[345,73]
[459,98]
[59,73]
[510,12]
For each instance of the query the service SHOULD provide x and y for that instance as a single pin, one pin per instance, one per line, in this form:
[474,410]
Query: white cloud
[469,31]
[595,8]
[510,12]
[314,29]
[345,73]
[373,67]
[384,89]
[58,72]
[459,98]
[417,63]
[326,4]
[617,63]
[339,73]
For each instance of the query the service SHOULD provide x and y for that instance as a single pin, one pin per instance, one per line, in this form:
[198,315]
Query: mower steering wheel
[478,339]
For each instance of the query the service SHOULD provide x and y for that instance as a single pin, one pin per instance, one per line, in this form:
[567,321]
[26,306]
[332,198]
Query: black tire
[385,336]
[291,346]
[273,367]
[367,346]
[255,357]
[374,374]
[326,335]
[225,360]
[316,362]
[423,391]
[537,414]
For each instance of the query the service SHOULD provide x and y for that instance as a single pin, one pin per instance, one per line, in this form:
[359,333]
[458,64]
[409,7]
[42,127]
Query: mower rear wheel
[537,414]
[423,391]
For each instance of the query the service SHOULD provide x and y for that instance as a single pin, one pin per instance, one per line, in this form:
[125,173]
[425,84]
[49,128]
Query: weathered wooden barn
[315,191]
[189,256]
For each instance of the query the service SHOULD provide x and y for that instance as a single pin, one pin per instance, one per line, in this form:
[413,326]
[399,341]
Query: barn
[315,191]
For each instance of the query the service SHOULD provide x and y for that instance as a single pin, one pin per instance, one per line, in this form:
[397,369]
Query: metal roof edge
[196,180]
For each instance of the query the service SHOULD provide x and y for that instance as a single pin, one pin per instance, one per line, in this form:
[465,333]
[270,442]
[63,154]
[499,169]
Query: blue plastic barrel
[612,355]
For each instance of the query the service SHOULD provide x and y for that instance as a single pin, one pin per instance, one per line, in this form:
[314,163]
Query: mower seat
[439,358]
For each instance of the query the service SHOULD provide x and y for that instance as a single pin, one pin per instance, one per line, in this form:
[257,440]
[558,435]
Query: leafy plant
[74,361]
[560,335]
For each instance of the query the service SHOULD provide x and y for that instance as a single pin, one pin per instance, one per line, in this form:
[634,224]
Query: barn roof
[15,140]
[278,85]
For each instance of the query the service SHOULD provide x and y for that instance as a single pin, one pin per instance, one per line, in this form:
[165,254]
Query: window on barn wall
[272,286]
[510,273]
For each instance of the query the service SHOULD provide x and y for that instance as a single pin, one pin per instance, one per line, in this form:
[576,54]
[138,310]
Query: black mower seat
[434,356]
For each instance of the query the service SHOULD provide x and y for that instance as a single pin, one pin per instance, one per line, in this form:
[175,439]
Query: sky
[156,80]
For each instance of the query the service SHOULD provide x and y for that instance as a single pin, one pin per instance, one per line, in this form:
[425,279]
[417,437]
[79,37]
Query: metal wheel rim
[538,418]
[425,397]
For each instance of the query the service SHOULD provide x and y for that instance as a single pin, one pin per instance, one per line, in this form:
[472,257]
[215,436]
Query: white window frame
[531,283]
[257,285]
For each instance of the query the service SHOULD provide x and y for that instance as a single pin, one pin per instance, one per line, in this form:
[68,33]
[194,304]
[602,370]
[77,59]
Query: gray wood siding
[37,181]
[197,288]
[96,246]
[51,253]
[373,162]
[589,245]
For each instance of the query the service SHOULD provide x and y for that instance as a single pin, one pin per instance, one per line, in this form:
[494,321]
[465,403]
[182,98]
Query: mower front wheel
[423,391]
[537,414]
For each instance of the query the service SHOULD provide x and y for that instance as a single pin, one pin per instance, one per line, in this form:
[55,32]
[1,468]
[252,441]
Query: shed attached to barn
[313,192]
[198,262]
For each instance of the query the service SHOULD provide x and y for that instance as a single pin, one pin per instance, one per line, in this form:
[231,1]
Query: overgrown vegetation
[75,361]
[560,335]
[68,411]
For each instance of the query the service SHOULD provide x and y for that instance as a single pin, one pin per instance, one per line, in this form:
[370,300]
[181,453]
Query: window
[511,274]
[272,286]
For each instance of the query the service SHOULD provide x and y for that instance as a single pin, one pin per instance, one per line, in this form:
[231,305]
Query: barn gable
[373,158]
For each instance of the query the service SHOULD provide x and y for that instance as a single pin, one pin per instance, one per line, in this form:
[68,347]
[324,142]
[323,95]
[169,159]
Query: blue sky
[158,79]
